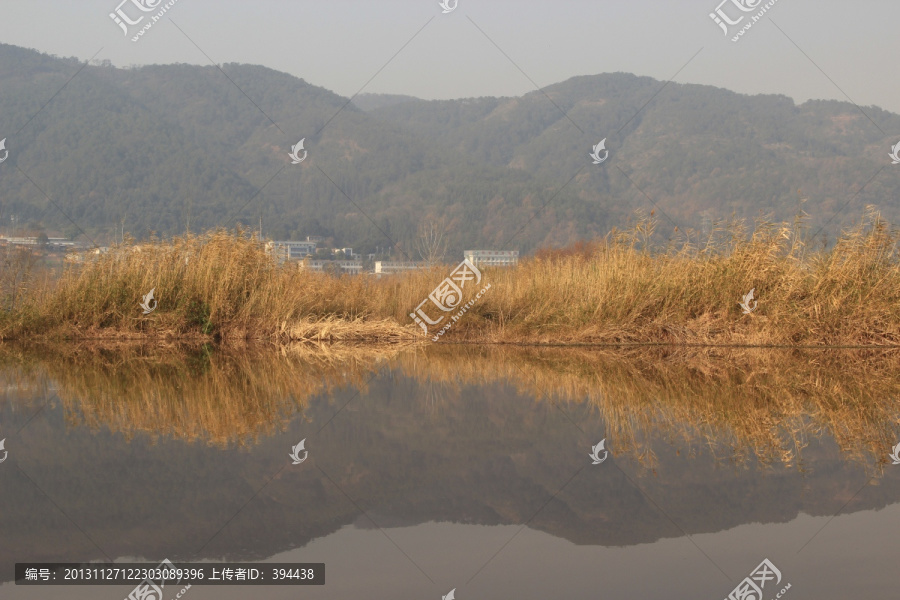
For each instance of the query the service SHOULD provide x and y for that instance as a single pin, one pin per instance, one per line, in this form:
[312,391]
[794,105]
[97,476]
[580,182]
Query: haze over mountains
[167,148]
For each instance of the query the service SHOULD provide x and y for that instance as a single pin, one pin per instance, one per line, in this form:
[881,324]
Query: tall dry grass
[619,289]
[217,284]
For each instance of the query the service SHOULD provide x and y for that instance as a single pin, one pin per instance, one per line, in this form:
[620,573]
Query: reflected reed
[743,404]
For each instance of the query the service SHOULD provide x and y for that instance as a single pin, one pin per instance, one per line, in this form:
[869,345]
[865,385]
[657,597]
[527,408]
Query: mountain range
[97,151]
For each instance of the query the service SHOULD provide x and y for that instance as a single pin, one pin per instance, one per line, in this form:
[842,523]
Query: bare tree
[431,240]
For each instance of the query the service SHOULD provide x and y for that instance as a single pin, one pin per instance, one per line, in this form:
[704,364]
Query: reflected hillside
[152,454]
[741,403]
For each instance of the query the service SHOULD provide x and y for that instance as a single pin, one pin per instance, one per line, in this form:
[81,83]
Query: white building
[389,267]
[350,267]
[56,244]
[20,241]
[33,241]
[492,258]
[289,250]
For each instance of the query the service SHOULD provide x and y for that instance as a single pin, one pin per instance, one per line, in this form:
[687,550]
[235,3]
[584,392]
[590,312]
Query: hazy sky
[342,44]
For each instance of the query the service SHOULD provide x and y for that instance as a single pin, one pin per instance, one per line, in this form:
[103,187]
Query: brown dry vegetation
[615,290]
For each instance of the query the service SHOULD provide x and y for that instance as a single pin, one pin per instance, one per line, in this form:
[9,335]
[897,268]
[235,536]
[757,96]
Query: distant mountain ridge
[368,102]
[170,148]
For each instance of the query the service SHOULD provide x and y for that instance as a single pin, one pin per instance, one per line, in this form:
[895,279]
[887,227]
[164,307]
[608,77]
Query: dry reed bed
[615,290]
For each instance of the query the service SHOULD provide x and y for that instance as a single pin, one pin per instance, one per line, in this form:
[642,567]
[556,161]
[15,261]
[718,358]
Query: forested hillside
[169,148]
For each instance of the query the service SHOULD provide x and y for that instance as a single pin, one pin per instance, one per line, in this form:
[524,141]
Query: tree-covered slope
[177,147]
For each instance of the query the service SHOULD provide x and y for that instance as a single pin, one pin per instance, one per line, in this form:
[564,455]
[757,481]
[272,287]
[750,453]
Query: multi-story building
[389,267]
[290,250]
[492,258]
[350,267]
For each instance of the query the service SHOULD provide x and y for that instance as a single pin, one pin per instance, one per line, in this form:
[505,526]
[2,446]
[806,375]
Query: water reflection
[748,403]
[191,393]
[184,453]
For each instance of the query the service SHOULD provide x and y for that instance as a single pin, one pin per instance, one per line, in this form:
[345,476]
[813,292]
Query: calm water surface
[458,468]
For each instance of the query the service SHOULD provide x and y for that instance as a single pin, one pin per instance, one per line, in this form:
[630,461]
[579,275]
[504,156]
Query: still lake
[457,467]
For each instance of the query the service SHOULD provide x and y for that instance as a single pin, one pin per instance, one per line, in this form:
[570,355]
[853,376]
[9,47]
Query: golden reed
[615,290]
